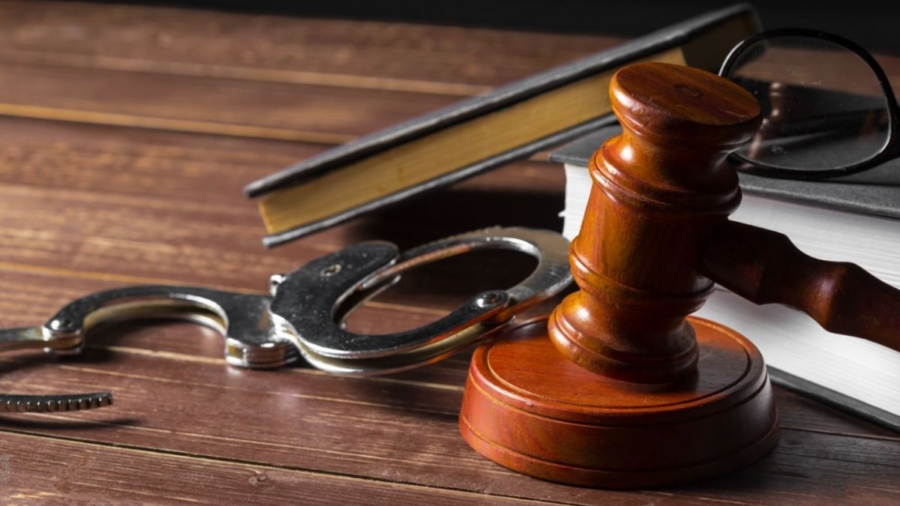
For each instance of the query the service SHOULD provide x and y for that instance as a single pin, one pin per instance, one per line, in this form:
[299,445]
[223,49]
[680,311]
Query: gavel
[619,387]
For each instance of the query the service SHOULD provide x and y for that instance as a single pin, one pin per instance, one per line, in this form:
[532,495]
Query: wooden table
[127,135]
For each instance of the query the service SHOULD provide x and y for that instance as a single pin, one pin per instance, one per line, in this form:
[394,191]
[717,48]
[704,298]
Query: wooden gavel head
[659,190]
[641,394]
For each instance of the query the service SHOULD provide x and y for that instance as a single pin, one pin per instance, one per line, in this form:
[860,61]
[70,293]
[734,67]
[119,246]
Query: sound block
[528,408]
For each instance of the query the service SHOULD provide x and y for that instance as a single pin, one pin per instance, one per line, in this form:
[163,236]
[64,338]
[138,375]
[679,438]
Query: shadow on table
[443,213]
[447,283]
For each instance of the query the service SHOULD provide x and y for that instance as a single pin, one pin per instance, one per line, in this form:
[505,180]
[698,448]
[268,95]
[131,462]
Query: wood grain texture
[126,189]
[531,409]
[377,55]
[322,81]
[765,267]
[392,429]
[76,472]
[636,395]
[659,190]
[90,207]
[293,112]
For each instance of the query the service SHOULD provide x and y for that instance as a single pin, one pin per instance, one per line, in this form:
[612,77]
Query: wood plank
[156,207]
[76,473]
[148,241]
[173,166]
[398,431]
[444,284]
[294,112]
[340,53]
[61,64]
[110,160]
[28,299]
[192,169]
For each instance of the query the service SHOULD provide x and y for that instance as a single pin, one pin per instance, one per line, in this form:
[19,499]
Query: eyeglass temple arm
[765,267]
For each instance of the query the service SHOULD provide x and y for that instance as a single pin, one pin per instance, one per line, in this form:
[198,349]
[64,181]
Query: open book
[854,374]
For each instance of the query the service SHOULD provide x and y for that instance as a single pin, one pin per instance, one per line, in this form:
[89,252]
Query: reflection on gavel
[657,397]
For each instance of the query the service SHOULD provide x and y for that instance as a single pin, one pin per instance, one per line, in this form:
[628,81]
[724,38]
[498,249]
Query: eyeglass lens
[823,106]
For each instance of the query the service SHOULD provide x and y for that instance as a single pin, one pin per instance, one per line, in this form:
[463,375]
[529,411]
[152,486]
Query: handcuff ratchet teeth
[304,314]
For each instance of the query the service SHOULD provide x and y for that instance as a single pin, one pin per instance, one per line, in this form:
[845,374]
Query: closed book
[854,219]
[477,134]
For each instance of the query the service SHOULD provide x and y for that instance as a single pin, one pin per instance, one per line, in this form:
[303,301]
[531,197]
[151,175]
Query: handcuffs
[304,314]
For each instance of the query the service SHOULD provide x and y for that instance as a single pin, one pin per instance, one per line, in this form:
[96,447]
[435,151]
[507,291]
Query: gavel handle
[765,267]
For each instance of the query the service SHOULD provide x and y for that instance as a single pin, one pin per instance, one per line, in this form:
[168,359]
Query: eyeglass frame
[890,149]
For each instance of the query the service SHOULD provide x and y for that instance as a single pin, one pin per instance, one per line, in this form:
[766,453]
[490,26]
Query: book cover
[701,41]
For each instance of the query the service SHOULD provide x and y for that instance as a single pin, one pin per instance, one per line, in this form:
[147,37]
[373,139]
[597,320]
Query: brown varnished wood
[619,389]
[529,408]
[383,429]
[765,267]
[274,78]
[74,475]
[109,198]
[659,190]
[281,111]
[414,58]
[87,208]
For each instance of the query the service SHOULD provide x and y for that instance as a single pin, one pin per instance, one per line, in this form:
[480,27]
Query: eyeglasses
[828,108]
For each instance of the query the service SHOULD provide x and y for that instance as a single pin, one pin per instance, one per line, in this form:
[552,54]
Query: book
[480,133]
[853,219]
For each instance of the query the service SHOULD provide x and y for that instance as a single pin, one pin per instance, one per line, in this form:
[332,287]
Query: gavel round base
[528,408]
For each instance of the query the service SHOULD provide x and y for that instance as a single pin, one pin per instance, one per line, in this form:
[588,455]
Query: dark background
[875,25]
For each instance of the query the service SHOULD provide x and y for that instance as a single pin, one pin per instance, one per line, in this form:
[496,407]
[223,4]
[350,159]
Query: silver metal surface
[243,320]
[308,299]
[306,311]
[306,305]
